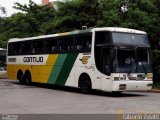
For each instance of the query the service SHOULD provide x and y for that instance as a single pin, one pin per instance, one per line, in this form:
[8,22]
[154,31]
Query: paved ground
[47,99]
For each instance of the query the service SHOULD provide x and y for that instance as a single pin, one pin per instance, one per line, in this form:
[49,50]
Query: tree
[2,22]
[141,14]
[3,10]
[74,14]
[35,20]
[37,16]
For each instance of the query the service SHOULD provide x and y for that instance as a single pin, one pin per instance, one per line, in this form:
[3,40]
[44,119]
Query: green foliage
[156,86]
[73,14]
[35,20]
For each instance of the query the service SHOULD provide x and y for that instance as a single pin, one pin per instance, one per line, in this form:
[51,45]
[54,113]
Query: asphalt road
[49,99]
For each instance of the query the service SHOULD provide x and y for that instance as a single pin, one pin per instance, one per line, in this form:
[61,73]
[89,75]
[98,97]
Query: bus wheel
[116,93]
[27,78]
[85,84]
[20,78]
[27,81]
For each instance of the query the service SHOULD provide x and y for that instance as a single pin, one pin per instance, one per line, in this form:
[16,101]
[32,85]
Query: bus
[3,72]
[2,57]
[110,59]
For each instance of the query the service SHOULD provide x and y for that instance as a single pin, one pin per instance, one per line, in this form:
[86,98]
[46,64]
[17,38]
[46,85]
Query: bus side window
[87,40]
[47,45]
[26,47]
[11,50]
[68,43]
[33,50]
[33,47]
[50,45]
[59,44]
[79,43]
[65,44]
[53,48]
[40,46]
[17,47]
[22,48]
[83,42]
[72,44]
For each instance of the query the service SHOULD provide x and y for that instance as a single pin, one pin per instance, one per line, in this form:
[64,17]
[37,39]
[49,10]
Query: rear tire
[27,81]
[27,78]
[85,84]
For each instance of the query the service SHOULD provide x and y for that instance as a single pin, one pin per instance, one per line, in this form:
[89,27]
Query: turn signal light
[116,78]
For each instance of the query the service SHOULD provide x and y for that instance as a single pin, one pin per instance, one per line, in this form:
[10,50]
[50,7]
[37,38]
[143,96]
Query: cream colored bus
[108,59]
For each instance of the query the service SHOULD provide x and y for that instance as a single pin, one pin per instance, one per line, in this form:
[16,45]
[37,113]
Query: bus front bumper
[131,85]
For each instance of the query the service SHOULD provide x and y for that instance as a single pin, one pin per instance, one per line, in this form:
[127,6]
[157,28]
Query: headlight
[149,76]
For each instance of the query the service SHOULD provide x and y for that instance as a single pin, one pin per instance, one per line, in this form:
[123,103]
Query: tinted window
[102,37]
[75,43]
[10,49]
[134,39]
[15,48]
[51,45]
[68,44]
[83,43]
[26,47]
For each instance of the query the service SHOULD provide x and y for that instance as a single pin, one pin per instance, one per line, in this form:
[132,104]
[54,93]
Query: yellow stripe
[39,73]
[51,59]
[43,72]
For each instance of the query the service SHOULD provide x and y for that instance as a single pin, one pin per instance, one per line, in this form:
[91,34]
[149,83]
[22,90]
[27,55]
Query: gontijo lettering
[33,59]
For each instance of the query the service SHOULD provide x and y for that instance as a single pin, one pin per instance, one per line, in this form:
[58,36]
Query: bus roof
[112,29]
[51,35]
[119,29]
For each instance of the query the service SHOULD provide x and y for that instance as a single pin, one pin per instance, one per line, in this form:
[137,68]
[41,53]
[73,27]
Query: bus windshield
[131,60]
[128,52]
[130,39]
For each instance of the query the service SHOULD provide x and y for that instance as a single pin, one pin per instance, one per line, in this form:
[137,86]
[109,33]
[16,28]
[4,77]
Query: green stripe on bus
[57,68]
[66,69]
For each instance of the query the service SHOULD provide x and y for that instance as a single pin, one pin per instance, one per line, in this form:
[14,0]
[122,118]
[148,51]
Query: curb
[155,90]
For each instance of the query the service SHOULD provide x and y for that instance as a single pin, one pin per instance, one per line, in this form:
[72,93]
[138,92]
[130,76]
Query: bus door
[106,67]
[105,60]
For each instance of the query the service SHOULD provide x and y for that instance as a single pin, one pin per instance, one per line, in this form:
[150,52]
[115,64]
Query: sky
[8,4]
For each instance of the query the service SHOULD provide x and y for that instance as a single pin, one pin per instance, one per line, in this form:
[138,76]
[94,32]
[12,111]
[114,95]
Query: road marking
[120,114]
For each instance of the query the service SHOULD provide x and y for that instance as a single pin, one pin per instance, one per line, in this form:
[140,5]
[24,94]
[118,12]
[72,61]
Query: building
[45,2]
[50,3]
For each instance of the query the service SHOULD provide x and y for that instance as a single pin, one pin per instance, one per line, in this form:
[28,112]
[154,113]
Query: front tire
[117,93]
[85,85]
